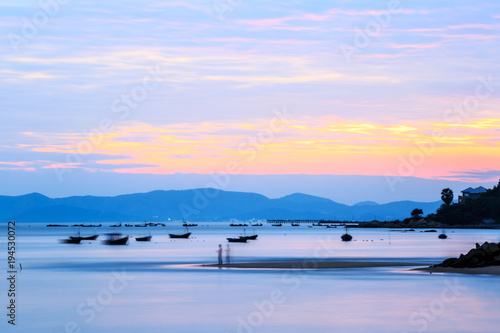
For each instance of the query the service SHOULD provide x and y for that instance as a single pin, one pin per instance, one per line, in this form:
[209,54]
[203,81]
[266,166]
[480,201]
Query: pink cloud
[476,26]
[338,11]
[414,46]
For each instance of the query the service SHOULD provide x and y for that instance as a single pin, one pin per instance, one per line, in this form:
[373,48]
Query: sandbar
[314,264]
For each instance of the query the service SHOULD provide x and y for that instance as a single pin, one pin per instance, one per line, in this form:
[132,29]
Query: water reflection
[166,293]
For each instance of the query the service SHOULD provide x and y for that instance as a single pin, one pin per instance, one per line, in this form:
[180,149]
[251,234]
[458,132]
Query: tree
[417,213]
[447,196]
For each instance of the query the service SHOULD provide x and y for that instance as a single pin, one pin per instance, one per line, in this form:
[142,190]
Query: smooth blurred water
[156,287]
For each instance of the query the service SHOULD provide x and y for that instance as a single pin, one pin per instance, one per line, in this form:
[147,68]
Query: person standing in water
[228,255]
[219,252]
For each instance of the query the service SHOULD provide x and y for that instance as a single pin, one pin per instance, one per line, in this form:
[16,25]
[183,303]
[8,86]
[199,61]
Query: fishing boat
[442,235]
[253,237]
[238,225]
[346,237]
[241,239]
[144,239]
[277,225]
[115,239]
[116,225]
[129,225]
[189,225]
[71,240]
[84,238]
[295,225]
[257,225]
[186,235]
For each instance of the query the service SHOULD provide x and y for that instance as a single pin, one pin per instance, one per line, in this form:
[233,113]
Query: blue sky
[185,87]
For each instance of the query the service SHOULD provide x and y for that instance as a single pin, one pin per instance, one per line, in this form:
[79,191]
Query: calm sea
[158,287]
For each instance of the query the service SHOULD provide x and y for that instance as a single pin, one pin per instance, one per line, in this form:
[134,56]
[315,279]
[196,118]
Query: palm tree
[447,196]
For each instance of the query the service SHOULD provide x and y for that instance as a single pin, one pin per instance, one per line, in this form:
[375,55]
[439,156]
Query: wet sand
[491,270]
[314,264]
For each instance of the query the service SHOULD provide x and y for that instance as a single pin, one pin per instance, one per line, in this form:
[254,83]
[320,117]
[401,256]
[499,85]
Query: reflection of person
[219,251]
[228,254]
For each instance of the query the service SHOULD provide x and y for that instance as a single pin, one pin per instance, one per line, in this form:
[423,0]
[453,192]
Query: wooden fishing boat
[241,239]
[253,237]
[186,235]
[70,241]
[84,238]
[115,239]
[144,239]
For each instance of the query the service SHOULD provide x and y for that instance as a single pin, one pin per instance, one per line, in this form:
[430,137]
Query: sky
[93,91]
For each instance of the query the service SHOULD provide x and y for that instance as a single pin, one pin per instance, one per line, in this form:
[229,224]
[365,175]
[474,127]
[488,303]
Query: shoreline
[490,270]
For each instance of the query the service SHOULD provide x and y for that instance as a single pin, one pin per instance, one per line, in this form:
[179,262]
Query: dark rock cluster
[484,255]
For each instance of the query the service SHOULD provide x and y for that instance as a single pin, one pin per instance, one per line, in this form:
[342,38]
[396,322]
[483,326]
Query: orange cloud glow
[330,146]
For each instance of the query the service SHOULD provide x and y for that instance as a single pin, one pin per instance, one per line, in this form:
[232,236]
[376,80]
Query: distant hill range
[197,205]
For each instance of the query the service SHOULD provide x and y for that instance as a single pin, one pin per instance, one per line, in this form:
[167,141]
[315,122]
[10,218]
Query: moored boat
[84,238]
[71,240]
[241,239]
[346,237]
[144,239]
[115,239]
[253,237]
[186,235]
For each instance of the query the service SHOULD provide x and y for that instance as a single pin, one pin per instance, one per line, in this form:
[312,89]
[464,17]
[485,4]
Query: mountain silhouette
[205,204]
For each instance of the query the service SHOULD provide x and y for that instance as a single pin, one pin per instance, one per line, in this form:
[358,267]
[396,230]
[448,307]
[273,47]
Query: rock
[474,263]
[492,249]
[485,246]
[449,262]
[484,255]
[468,257]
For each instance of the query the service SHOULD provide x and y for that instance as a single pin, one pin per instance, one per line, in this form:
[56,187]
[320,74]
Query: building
[471,193]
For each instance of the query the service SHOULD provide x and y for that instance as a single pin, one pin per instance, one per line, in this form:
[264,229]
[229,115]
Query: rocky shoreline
[421,224]
[484,255]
